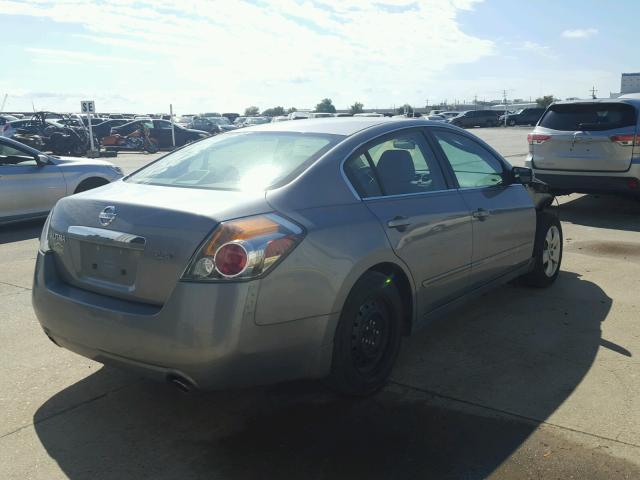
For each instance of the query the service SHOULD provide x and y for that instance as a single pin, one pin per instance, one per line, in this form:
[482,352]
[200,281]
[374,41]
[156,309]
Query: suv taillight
[537,139]
[626,140]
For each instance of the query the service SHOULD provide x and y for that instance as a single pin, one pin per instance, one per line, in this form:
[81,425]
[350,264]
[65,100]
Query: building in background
[629,83]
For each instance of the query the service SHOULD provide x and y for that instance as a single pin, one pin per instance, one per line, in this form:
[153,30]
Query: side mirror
[42,160]
[522,175]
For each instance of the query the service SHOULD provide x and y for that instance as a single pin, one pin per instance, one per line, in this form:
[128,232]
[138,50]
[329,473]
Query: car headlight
[244,248]
[44,236]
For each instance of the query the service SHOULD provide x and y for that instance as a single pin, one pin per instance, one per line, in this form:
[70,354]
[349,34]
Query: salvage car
[475,118]
[526,116]
[160,130]
[289,250]
[32,182]
[588,147]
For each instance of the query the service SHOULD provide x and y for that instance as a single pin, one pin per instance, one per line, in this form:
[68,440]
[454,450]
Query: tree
[406,108]
[326,106]
[292,109]
[273,112]
[251,111]
[545,101]
[356,108]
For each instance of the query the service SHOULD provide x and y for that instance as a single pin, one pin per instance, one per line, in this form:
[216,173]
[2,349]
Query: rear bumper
[590,184]
[205,333]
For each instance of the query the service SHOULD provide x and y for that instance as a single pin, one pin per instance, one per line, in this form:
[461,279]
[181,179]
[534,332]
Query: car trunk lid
[585,137]
[134,241]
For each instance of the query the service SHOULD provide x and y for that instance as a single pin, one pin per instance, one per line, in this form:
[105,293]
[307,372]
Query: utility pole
[475,102]
[504,100]
[4,101]
[593,92]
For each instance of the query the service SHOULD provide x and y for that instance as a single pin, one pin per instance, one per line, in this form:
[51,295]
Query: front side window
[10,155]
[249,161]
[398,165]
[472,164]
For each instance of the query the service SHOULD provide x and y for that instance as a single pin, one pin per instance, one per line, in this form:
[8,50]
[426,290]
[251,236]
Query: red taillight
[244,248]
[231,259]
[537,139]
[633,183]
[626,140]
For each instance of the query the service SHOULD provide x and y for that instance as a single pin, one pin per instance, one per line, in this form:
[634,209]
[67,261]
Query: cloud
[240,53]
[580,33]
[73,56]
[536,48]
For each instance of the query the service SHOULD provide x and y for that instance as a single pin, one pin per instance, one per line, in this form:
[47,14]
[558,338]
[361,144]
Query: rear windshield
[238,161]
[589,116]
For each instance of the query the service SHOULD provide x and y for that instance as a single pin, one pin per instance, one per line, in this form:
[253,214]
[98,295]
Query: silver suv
[588,147]
[289,250]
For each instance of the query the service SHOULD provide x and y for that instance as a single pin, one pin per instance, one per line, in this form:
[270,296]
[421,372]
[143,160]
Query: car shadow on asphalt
[516,350]
[20,231]
[603,211]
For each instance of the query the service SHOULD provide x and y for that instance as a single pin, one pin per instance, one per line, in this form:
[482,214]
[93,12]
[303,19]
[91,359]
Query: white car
[33,182]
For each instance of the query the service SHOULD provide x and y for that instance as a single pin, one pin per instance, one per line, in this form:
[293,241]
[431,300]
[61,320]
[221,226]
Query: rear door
[503,214]
[162,132]
[595,136]
[427,223]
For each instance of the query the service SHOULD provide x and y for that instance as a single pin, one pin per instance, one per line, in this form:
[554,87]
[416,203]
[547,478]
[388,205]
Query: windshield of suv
[240,161]
[589,116]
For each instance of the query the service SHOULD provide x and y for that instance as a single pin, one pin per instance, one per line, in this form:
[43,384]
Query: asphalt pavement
[521,383]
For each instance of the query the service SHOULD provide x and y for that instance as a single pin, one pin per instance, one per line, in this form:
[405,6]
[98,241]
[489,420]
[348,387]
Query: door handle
[481,214]
[399,222]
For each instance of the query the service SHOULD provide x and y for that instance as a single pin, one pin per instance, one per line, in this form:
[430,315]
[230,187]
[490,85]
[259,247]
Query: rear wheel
[151,146]
[547,251]
[368,336]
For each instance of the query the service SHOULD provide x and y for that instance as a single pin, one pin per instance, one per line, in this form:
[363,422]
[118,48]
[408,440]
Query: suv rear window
[589,116]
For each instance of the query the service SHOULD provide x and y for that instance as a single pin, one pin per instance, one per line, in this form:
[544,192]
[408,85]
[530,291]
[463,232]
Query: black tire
[368,336]
[89,184]
[542,275]
[151,146]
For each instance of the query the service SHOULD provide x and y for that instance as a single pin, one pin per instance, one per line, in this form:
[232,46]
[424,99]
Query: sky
[225,55]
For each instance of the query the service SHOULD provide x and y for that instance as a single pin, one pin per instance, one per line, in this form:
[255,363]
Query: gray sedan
[290,250]
[32,182]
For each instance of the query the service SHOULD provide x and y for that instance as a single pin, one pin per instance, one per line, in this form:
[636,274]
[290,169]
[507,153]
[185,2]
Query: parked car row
[32,181]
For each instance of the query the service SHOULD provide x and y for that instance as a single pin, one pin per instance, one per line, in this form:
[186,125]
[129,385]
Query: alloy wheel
[551,251]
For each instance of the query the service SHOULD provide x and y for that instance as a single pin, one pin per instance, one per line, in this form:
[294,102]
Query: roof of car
[633,100]
[344,126]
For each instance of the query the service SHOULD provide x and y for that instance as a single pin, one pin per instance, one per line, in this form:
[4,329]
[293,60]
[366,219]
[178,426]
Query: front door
[427,223]
[504,217]
[27,188]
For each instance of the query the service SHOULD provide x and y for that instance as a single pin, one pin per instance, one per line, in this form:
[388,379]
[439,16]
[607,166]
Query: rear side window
[589,116]
[400,164]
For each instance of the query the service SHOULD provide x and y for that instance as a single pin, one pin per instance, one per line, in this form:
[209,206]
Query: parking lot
[520,383]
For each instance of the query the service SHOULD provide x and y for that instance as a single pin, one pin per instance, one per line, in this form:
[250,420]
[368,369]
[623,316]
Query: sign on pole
[173,131]
[89,107]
